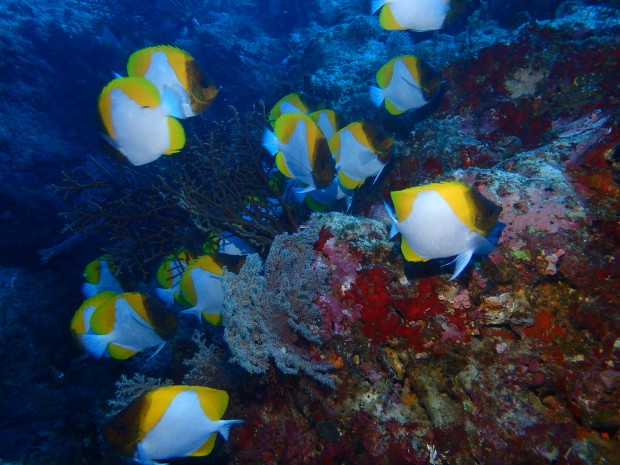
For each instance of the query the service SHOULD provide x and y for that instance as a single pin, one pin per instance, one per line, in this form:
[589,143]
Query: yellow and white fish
[301,150]
[169,276]
[170,422]
[328,122]
[361,151]
[443,220]
[124,325]
[292,103]
[185,88]
[101,275]
[405,83]
[80,323]
[416,15]
[201,285]
[136,122]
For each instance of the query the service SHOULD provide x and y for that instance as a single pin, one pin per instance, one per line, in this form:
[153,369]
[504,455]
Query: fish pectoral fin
[411,84]
[461,261]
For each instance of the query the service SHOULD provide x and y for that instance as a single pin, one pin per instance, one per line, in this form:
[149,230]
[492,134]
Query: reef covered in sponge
[334,349]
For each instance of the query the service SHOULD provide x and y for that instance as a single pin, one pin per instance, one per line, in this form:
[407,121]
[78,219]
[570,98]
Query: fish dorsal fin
[157,403]
[208,263]
[206,448]
[214,402]
[334,144]
[387,20]
[455,194]
[403,202]
[409,254]
[412,64]
[288,123]
[139,89]
[177,136]
[327,121]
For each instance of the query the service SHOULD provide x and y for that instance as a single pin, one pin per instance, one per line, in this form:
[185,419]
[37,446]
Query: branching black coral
[223,181]
[230,184]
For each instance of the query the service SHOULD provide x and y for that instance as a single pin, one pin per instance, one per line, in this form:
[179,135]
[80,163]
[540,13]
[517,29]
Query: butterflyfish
[185,88]
[201,285]
[405,83]
[136,123]
[126,324]
[101,275]
[361,151]
[169,275]
[415,15]
[292,103]
[442,220]
[80,323]
[301,150]
[328,122]
[171,422]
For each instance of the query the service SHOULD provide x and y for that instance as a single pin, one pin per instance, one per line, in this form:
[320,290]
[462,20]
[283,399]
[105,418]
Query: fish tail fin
[393,230]
[376,4]
[225,425]
[89,290]
[270,142]
[95,344]
[193,311]
[376,95]
[165,295]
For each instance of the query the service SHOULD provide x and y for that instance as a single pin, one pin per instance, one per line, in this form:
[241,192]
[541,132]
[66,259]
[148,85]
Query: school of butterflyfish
[323,160]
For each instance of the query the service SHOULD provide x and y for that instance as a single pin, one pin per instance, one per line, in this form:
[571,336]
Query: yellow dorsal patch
[214,402]
[293,100]
[323,117]
[103,318]
[157,402]
[348,182]
[409,254]
[334,145]
[282,166]
[208,263]
[120,353]
[387,20]
[455,194]
[214,318]
[136,302]
[139,89]
[357,130]
[411,63]
[140,61]
[287,124]
[177,136]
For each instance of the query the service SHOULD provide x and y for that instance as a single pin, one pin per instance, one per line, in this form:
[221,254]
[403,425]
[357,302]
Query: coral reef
[334,349]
